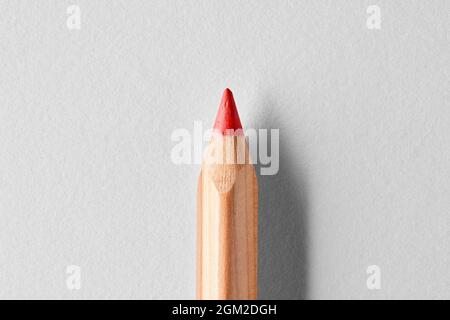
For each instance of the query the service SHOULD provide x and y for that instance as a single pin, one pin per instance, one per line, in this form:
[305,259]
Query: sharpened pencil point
[227,118]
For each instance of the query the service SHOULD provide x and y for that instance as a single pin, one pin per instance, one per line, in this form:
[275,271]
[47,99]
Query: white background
[85,123]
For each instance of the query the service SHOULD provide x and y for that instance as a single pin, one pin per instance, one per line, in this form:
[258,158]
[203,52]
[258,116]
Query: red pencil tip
[227,118]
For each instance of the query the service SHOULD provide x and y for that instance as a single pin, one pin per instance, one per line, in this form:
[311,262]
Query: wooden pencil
[227,218]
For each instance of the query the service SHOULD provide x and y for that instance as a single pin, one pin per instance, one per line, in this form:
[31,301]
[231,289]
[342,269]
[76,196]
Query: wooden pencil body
[227,227]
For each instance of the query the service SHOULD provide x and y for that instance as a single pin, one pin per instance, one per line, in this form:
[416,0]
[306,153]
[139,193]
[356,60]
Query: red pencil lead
[227,119]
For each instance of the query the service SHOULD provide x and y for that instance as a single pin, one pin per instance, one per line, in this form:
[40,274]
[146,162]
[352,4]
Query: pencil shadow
[283,213]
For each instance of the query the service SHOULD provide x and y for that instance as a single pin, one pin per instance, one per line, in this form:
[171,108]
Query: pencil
[227,213]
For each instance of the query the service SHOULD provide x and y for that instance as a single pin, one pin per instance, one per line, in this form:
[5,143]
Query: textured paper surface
[86,117]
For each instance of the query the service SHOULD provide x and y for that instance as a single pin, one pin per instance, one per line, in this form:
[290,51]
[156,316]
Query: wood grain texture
[227,225]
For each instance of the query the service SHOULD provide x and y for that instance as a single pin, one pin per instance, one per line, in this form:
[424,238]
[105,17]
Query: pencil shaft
[227,231]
